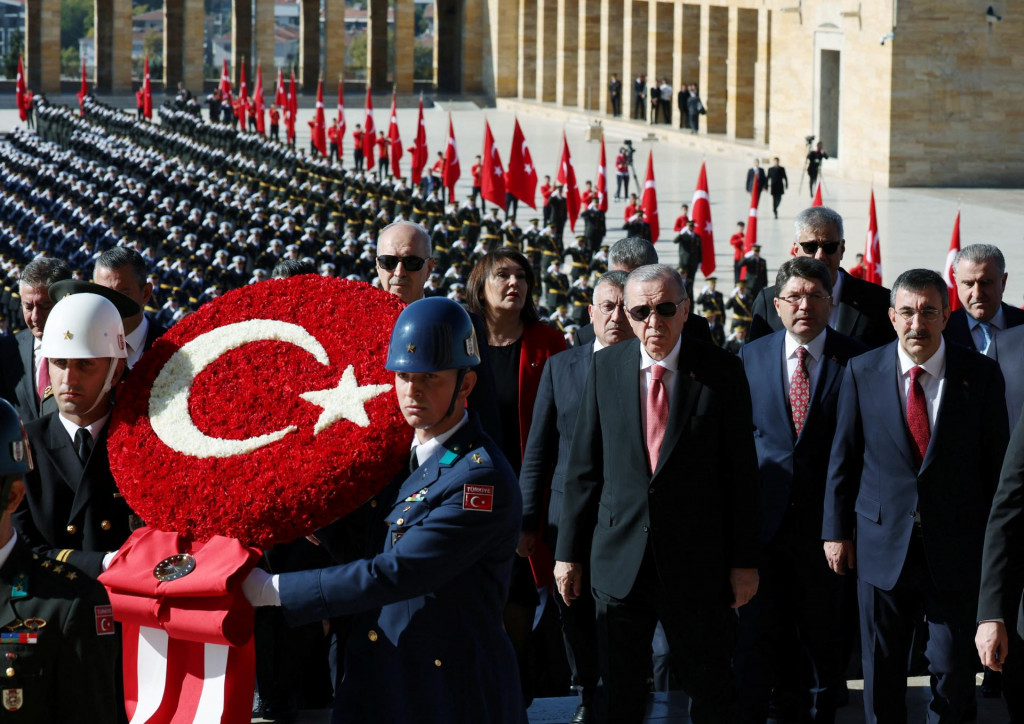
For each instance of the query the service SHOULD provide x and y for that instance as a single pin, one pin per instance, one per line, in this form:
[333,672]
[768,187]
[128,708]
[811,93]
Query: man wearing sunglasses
[661,503]
[859,309]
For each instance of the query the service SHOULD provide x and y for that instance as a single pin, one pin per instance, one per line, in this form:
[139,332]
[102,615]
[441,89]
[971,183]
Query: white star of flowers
[346,401]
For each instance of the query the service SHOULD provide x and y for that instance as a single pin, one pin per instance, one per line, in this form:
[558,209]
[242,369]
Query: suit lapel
[97,461]
[775,384]
[884,387]
[626,384]
[680,407]
[950,406]
[61,451]
[829,373]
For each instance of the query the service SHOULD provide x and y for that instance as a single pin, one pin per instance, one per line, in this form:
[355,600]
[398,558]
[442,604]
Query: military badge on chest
[14,699]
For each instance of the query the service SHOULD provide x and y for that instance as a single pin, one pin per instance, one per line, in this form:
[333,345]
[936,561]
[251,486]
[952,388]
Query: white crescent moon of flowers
[168,401]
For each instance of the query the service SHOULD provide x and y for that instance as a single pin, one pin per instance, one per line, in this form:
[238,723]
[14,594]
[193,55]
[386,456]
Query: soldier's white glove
[260,588]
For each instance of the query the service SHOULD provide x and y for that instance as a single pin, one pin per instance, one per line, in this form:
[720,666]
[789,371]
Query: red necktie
[44,378]
[800,391]
[657,414]
[917,415]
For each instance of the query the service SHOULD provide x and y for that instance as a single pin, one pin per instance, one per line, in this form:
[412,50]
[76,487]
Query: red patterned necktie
[657,414]
[917,415]
[800,391]
[43,382]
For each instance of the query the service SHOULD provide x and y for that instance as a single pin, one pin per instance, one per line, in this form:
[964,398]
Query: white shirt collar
[671,361]
[426,450]
[5,552]
[137,340]
[597,345]
[934,365]
[816,347]
[94,429]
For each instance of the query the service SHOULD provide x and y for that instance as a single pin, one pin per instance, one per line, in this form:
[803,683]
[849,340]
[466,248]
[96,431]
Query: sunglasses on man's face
[811,247]
[665,309]
[411,263]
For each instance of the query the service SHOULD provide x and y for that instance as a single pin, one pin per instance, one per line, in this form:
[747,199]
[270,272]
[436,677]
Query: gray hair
[118,257]
[803,267]
[817,218]
[616,278]
[657,272]
[418,230]
[44,271]
[979,254]
[632,252]
[919,280]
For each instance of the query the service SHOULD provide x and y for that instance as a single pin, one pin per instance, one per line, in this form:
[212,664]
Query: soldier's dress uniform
[57,643]
[429,644]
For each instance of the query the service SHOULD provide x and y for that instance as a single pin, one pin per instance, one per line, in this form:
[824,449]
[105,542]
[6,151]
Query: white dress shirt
[933,383]
[431,446]
[670,363]
[94,429]
[136,341]
[815,349]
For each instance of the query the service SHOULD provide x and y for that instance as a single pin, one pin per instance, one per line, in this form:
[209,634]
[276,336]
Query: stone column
[589,78]
[547,32]
[611,52]
[112,35]
[688,45]
[472,45]
[405,43]
[263,47]
[660,21]
[377,44]
[742,59]
[241,44]
[763,78]
[567,53]
[309,44]
[334,41]
[193,20]
[502,55]
[634,52]
[174,42]
[527,60]
[714,57]
[42,45]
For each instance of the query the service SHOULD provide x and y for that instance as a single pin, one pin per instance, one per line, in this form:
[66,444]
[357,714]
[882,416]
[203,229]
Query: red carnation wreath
[263,416]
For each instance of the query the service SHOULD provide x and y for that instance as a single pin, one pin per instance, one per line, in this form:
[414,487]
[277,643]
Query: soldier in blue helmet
[428,643]
[57,642]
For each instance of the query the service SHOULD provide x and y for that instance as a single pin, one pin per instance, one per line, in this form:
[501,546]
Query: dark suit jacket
[1002,572]
[1011,361]
[696,326]
[793,469]
[698,511]
[874,484]
[777,180]
[69,506]
[863,313]
[22,370]
[762,180]
[959,332]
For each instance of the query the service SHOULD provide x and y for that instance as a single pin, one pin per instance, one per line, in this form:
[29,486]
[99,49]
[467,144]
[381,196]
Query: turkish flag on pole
[751,235]
[292,109]
[243,97]
[872,249]
[21,88]
[492,185]
[567,177]
[225,80]
[83,91]
[522,176]
[395,139]
[419,149]
[817,196]
[147,92]
[452,170]
[369,137]
[700,212]
[257,100]
[947,272]
[602,181]
[319,122]
[341,118]
[649,200]
[280,98]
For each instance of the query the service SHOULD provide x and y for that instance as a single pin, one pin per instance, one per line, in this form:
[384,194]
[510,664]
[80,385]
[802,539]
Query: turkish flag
[817,196]
[369,138]
[20,89]
[602,180]
[257,101]
[872,250]
[243,98]
[492,186]
[83,91]
[419,149]
[319,122]
[341,118]
[293,107]
[522,176]
[700,212]
[280,99]
[947,272]
[751,234]
[452,170]
[395,139]
[225,80]
[649,200]
[147,92]
[571,190]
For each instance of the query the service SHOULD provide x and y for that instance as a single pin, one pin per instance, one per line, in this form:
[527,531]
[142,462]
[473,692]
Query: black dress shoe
[581,715]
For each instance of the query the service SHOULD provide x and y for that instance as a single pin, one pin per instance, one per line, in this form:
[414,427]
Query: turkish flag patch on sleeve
[477,497]
[104,620]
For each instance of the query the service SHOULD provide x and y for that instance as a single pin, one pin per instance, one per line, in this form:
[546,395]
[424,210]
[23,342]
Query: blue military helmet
[15,457]
[432,335]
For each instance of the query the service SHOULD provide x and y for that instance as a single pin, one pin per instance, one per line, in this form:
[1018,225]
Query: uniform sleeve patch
[104,620]
[478,497]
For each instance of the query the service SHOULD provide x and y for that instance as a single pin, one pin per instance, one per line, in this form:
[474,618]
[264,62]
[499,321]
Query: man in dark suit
[795,616]
[615,94]
[860,309]
[689,243]
[980,272]
[756,172]
[777,184]
[661,503]
[544,465]
[32,378]
[921,433]
[124,270]
[754,270]
[1011,362]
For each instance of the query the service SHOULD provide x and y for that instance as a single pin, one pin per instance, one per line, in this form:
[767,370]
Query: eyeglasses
[390,263]
[608,308]
[795,299]
[928,314]
[811,247]
[665,309]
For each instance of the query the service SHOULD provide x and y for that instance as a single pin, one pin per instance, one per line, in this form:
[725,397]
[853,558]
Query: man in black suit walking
[777,184]
[756,172]
[859,309]
[661,503]
[980,272]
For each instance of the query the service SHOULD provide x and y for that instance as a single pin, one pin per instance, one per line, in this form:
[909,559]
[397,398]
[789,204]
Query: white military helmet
[82,326]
